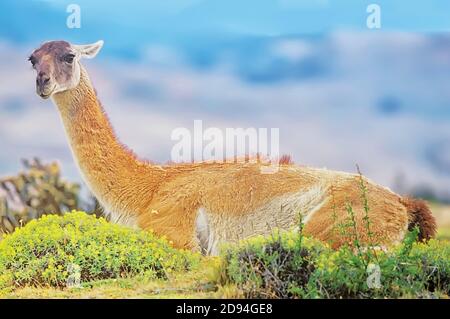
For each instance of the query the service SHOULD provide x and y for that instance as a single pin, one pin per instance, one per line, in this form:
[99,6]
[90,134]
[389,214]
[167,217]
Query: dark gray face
[57,65]
[57,68]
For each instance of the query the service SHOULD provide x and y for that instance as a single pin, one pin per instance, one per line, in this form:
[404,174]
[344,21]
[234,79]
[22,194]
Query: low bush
[289,266]
[38,189]
[53,250]
[271,267]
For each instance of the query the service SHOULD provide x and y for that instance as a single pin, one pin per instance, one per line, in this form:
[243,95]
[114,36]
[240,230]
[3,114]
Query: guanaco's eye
[69,58]
[32,59]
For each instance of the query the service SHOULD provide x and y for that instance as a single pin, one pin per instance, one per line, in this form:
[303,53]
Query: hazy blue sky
[340,93]
[136,20]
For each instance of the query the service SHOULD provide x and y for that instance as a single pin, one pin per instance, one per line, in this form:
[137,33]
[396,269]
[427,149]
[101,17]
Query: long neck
[111,172]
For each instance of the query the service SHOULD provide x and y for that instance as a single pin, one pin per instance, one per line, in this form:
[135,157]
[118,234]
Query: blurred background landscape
[340,93]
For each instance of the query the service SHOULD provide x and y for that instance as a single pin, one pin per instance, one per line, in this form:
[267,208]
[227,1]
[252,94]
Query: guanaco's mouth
[45,95]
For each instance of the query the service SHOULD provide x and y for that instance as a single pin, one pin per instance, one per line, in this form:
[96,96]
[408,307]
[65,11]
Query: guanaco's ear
[88,51]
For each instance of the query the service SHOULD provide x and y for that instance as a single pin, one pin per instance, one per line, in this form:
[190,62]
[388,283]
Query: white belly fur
[282,212]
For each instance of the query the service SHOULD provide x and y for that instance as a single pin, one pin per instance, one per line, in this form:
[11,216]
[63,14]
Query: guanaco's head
[57,65]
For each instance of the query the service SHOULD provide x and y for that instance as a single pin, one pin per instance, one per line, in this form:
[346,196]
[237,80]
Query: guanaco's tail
[420,215]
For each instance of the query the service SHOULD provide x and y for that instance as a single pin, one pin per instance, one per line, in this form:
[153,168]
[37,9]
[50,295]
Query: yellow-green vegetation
[286,265]
[40,259]
[56,251]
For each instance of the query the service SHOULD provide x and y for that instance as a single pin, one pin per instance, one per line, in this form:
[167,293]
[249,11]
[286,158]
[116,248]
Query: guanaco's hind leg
[342,218]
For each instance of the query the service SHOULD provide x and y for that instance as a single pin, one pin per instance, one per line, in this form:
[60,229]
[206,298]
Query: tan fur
[420,216]
[201,205]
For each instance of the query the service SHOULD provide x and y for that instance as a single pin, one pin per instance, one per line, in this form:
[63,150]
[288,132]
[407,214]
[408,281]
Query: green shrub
[34,191]
[273,267]
[420,271]
[287,266]
[49,250]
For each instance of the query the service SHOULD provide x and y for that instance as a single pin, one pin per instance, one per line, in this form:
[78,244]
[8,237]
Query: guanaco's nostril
[42,79]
